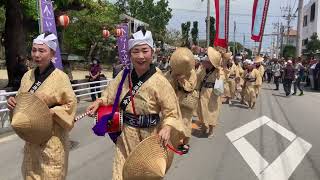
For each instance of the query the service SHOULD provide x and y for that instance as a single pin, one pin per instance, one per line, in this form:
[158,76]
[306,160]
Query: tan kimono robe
[258,86]
[189,86]
[49,161]
[250,87]
[209,103]
[155,96]
[230,84]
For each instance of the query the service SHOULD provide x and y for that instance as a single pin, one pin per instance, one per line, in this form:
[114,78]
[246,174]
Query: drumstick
[81,116]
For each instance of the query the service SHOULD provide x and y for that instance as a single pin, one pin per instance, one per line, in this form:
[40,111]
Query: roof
[292,32]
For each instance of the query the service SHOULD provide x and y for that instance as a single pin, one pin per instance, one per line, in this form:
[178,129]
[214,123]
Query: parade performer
[49,160]
[210,103]
[231,74]
[183,79]
[239,80]
[258,63]
[149,104]
[251,79]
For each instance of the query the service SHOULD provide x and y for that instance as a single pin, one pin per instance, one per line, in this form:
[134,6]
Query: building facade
[311,22]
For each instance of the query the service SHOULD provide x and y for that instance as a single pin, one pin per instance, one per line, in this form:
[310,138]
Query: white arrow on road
[284,165]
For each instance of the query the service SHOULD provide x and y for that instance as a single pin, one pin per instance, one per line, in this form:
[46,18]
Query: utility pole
[288,16]
[281,39]
[208,23]
[234,37]
[276,27]
[299,29]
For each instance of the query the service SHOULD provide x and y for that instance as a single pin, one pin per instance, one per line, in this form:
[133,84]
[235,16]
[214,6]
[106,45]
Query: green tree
[173,38]
[238,47]
[289,51]
[313,45]
[195,33]
[157,15]
[122,6]
[212,30]
[185,30]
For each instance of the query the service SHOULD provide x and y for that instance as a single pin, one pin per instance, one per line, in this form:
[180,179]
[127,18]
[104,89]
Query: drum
[115,124]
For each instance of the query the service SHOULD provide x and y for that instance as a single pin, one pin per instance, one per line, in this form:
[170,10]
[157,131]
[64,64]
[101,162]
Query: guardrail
[81,90]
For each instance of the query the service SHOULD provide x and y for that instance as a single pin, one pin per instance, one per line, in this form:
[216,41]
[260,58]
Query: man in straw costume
[231,73]
[152,100]
[251,79]
[183,79]
[239,80]
[258,63]
[210,103]
[49,160]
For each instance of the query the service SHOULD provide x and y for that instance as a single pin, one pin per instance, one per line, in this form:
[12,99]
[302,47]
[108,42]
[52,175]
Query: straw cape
[182,61]
[214,57]
[148,161]
[31,119]
[258,59]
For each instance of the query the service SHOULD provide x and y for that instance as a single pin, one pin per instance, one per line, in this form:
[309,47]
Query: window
[305,42]
[313,12]
[305,20]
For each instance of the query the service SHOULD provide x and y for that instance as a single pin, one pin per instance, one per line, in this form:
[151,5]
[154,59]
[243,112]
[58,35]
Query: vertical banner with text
[48,23]
[222,23]
[259,15]
[122,43]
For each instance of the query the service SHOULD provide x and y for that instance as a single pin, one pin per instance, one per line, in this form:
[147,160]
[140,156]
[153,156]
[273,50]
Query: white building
[311,22]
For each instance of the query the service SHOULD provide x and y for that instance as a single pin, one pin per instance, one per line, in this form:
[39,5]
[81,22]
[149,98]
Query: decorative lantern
[105,33]
[119,32]
[63,20]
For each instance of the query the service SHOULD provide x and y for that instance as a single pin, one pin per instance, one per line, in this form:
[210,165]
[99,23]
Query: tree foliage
[195,33]
[289,51]
[212,30]
[238,47]
[156,14]
[313,45]
[185,30]
[173,38]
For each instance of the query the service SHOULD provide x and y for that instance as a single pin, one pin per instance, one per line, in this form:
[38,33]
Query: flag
[222,23]
[259,16]
[122,43]
[48,24]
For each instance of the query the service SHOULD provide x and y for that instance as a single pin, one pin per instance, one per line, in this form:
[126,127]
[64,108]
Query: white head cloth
[140,39]
[50,41]
[239,57]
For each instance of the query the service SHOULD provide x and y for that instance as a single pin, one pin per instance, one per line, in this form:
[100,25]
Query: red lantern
[105,33]
[64,20]
[119,32]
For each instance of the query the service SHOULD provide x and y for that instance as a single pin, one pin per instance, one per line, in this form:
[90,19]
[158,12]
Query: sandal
[184,148]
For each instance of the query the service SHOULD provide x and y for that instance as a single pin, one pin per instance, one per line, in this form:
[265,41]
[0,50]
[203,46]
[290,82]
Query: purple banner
[122,43]
[48,23]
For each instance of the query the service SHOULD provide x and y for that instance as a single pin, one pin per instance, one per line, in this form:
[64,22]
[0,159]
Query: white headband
[140,39]
[50,41]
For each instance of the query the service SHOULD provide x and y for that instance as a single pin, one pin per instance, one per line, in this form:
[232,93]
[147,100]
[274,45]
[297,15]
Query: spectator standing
[276,70]
[95,71]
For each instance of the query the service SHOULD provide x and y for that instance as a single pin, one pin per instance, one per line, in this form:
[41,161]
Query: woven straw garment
[148,161]
[31,119]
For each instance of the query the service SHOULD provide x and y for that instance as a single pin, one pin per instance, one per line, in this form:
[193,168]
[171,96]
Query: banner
[48,23]
[222,23]
[259,15]
[122,43]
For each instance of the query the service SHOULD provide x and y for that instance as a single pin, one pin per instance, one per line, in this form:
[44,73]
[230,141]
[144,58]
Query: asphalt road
[278,140]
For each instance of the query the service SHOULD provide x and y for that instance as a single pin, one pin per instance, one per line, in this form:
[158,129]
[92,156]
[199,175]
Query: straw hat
[182,61]
[226,56]
[148,161]
[31,119]
[258,59]
[214,57]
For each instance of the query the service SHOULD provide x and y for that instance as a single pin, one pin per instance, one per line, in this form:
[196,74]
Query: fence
[81,90]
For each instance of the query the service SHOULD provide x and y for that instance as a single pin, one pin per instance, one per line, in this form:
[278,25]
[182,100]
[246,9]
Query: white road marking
[247,128]
[281,130]
[8,138]
[284,165]
[251,156]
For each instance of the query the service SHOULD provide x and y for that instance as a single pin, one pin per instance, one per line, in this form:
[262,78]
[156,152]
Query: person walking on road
[299,74]
[288,77]
[276,70]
